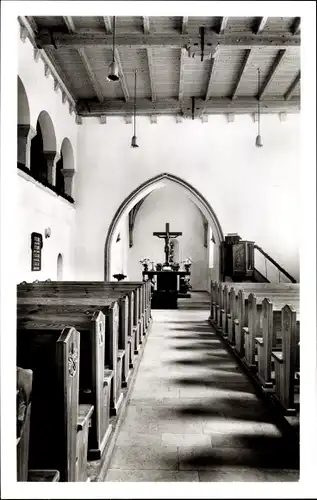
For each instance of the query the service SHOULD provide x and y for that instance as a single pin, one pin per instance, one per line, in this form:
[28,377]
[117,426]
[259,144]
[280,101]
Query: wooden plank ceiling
[185,65]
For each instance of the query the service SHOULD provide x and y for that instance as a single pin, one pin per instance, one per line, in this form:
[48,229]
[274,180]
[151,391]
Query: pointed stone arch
[146,188]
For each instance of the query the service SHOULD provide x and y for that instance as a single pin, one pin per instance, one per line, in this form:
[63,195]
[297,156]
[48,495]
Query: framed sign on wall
[36,247]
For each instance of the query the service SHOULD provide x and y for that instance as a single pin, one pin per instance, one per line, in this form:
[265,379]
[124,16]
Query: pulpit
[166,287]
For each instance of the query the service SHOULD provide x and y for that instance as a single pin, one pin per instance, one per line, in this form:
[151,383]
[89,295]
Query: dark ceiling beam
[49,58]
[177,41]
[211,70]
[173,105]
[123,83]
[260,25]
[146,29]
[223,25]
[181,74]
[146,25]
[68,20]
[295,29]
[240,74]
[184,25]
[290,91]
[277,61]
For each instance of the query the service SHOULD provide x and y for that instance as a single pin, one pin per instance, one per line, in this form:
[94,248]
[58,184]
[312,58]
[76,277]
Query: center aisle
[193,415]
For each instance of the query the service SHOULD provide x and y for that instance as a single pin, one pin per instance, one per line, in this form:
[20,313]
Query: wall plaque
[36,246]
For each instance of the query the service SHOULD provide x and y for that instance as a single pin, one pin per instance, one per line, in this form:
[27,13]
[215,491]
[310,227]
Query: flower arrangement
[188,261]
[145,261]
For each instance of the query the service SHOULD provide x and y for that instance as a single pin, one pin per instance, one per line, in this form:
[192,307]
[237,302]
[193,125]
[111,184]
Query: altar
[168,282]
[167,286]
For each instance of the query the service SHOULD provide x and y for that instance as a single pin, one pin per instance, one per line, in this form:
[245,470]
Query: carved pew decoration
[224,311]
[285,361]
[231,316]
[265,344]
[239,323]
[54,359]
[250,331]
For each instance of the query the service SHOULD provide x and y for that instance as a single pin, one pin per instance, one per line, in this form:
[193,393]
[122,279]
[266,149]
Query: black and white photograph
[158,232]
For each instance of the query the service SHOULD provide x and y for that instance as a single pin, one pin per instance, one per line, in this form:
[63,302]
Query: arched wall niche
[48,131]
[68,154]
[23,105]
[145,189]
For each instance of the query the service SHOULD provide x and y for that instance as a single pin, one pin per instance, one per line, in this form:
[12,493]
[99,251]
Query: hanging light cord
[134,101]
[114,34]
[258,101]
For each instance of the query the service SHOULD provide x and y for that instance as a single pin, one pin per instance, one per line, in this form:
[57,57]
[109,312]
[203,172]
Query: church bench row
[57,420]
[253,325]
[141,292]
[220,292]
[139,302]
[56,311]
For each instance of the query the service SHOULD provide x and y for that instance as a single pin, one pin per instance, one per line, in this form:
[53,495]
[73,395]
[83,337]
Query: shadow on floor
[254,451]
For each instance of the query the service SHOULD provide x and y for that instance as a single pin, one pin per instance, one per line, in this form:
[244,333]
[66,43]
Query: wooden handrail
[280,268]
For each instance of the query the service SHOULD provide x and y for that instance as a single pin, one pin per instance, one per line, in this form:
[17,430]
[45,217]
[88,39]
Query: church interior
[158,249]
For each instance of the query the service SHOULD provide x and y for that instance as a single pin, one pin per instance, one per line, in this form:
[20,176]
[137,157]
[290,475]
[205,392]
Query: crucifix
[167,235]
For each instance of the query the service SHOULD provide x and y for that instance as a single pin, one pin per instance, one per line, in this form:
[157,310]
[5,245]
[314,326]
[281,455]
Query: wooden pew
[95,387]
[286,361]
[53,358]
[61,311]
[140,291]
[241,323]
[254,312]
[233,308]
[127,339]
[270,340]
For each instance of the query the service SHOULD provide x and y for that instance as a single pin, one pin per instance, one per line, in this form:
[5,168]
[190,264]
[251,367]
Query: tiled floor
[193,415]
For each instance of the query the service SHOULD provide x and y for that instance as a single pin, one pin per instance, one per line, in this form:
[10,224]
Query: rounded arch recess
[146,188]
[68,154]
[47,130]
[23,105]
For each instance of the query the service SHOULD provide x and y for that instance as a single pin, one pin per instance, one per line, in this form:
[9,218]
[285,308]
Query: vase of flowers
[187,263]
[159,266]
[145,263]
[175,266]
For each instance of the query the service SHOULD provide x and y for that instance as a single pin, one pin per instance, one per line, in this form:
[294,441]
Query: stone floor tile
[145,457]
[151,475]
[139,439]
[277,475]
[186,439]
[226,474]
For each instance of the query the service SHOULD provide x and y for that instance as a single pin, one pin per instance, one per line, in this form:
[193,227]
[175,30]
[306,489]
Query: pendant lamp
[113,67]
[133,142]
[258,140]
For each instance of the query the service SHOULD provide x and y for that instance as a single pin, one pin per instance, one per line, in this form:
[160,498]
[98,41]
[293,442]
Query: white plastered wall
[253,191]
[38,207]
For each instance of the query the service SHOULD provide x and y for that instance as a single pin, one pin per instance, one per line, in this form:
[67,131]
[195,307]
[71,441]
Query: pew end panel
[54,360]
[285,361]
[264,346]
[111,357]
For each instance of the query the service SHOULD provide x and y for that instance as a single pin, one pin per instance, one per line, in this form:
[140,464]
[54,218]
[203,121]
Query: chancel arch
[145,189]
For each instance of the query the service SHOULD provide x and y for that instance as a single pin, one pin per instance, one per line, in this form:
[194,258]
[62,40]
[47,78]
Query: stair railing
[269,268]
